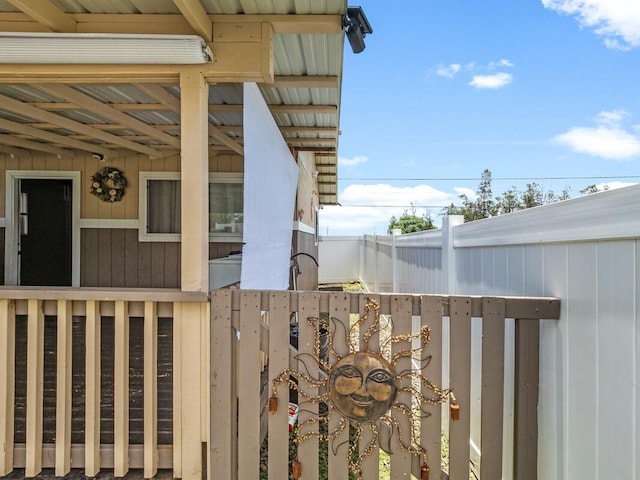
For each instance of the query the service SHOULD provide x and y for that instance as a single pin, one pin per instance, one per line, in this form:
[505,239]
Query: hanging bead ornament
[454,408]
[273,401]
[361,387]
[296,470]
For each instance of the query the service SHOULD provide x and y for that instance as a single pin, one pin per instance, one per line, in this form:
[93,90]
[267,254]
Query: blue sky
[446,88]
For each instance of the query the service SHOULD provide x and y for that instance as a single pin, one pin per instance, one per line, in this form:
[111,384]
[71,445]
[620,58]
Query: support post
[194,168]
[448,253]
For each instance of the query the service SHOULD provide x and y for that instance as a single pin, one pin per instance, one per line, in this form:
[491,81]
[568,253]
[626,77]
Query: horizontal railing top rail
[102,294]
[547,308]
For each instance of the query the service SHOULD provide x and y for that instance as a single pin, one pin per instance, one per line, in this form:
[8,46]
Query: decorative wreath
[108,184]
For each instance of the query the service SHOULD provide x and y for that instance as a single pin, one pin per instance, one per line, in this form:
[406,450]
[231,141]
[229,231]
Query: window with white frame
[160,207]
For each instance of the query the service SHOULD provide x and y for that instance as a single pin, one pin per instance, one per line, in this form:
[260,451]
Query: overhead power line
[457,179]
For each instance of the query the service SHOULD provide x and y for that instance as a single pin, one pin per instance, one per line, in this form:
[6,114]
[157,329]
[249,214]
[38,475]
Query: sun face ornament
[362,387]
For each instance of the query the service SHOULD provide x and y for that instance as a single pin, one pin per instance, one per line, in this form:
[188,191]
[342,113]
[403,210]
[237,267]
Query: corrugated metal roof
[312,108]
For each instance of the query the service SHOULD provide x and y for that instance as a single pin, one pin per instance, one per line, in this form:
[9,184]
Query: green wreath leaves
[108,184]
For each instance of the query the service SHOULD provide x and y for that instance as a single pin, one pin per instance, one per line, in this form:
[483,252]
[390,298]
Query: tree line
[485,205]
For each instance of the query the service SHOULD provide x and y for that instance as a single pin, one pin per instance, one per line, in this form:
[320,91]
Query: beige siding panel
[431,316]
[150,389]
[121,390]
[249,386]
[493,326]
[35,379]
[279,361]
[308,306]
[460,379]
[401,309]
[339,306]
[63,389]
[7,383]
[92,390]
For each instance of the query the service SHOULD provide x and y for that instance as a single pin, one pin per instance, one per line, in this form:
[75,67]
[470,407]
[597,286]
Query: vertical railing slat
[150,389]
[491,420]
[92,389]
[63,389]
[431,316]
[308,304]
[7,383]
[190,388]
[35,379]
[401,318]
[526,397]
[249,386]
[223,394]
[121,391]
[177,390]
[460,381]
[371,462]
[339,309]
[278,362]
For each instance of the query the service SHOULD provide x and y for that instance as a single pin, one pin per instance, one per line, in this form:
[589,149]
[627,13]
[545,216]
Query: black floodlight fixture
[357,26]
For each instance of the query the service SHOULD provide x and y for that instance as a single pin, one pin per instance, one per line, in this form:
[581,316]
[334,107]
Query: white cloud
[353,161]
[612,117]
[603,141]
[607,140]
[376,207]
[497,80]
[617,21]
[448,71]
[471,194]
[503,62]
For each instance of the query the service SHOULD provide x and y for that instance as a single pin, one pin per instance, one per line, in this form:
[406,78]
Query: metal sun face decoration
[362,387]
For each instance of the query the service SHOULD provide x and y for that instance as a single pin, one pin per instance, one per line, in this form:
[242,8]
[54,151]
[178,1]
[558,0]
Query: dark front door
[45,247]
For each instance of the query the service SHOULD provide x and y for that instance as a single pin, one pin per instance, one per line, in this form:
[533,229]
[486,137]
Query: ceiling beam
[24,109]
[305,81]
[173,103]
[89,103]
[47,14]
[35,13]
[197,17]
[52,137]
[298,24]
[284,109]
[10,139]
[12,151]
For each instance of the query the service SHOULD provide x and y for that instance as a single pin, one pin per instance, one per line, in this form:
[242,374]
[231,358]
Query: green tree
[409,222]
[485,206]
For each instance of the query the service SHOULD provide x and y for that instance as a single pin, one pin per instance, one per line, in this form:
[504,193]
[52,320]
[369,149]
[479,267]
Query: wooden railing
[94,379]
[246,323]
[183,376]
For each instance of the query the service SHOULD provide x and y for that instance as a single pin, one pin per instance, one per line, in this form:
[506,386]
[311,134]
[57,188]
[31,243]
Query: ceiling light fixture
[99,48]
[357,27]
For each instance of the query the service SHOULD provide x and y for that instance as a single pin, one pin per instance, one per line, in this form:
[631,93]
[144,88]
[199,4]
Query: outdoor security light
[357,26]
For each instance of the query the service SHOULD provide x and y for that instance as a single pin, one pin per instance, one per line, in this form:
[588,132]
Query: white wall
[586,252]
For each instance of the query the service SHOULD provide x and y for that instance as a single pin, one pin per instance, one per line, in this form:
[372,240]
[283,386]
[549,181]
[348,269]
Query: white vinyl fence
[584,251]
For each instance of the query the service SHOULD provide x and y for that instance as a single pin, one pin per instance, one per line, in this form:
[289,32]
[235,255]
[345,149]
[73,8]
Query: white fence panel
[585,251]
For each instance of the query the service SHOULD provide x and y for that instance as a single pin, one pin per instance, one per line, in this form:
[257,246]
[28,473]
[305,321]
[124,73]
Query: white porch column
[194,169]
